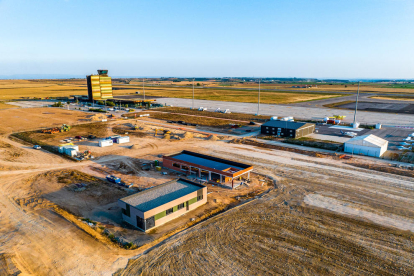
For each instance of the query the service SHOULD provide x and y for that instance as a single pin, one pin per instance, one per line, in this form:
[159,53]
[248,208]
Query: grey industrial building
[156,206]
[287,129]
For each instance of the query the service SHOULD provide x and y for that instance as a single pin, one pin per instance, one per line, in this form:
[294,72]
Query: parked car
[78,137]
[37,147]
[91,137]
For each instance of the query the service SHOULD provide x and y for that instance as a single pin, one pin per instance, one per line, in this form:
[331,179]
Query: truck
[113,179]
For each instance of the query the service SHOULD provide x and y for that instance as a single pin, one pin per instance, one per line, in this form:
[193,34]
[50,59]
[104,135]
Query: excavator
[63,128]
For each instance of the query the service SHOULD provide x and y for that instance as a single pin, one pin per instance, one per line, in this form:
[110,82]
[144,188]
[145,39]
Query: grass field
[395,98]
[17,89]
[269,97]
[5,106]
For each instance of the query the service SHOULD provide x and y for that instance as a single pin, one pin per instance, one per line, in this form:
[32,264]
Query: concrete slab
[328,138]
[347,128]
[310,113]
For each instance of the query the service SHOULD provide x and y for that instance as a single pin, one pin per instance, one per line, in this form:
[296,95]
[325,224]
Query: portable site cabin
[369,145]
[70,150]
[121,140]
[105,143]
[163,203]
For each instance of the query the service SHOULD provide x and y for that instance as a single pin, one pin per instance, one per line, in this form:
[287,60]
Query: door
[140,223]
[149,223]
[188,207]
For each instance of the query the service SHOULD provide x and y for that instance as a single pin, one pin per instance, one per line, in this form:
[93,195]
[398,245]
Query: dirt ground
[24,119]
[323,216]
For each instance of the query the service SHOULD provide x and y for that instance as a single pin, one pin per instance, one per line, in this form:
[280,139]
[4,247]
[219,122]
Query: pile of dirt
[188,135]
[98,117]
[134,147]
[212,138]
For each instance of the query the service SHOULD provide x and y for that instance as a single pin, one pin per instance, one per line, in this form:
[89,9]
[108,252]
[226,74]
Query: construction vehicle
[84,155]
[113,179]
[63,128]
[164,131]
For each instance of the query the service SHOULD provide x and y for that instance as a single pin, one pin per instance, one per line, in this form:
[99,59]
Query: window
[273,132]
[181,206]
[290,130]
[176,165]
[184,168]
[273,128]
[127,211]
[169,211]
[267,127]
[267,131]
[200,197]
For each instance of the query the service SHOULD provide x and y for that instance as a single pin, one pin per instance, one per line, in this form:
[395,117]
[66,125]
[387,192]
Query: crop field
[270,97]
[17,89]
[288,86]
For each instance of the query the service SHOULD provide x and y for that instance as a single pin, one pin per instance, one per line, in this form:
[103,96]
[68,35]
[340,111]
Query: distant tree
[110,103]
[198,84]
[100,102]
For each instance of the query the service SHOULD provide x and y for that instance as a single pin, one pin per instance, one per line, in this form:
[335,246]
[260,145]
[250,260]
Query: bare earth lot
[322,216]
[23,119]
[312,223]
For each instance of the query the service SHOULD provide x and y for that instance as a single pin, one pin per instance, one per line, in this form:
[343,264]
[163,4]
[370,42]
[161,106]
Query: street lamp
[258,101]
[193,95]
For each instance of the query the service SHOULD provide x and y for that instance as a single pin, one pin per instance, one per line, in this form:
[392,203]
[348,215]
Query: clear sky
[223,38]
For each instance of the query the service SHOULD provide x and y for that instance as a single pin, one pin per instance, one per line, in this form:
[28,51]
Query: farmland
[16,89]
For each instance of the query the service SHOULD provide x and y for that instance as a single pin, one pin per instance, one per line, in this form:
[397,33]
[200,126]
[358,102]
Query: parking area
[394,135]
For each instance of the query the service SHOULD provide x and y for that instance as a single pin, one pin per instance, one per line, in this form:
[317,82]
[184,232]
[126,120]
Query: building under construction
[99,86]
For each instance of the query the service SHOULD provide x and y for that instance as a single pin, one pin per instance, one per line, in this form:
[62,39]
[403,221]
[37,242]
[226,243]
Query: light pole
[143,88]
[356,107]
[258,102]
[193,95]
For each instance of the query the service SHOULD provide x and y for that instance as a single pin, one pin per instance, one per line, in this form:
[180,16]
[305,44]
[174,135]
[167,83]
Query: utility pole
[356,106]
[193,95]
[143,88]
[258,101]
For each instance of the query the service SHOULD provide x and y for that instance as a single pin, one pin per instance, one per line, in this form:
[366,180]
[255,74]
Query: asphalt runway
[390,107]
[298,112]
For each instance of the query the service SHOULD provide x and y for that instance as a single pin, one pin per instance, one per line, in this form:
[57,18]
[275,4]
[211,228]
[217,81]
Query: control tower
[99,86]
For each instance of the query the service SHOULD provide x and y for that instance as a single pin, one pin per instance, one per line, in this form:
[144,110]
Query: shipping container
[121,140]
[105,143]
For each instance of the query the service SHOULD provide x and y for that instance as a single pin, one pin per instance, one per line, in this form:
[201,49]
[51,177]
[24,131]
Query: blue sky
[281,38]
